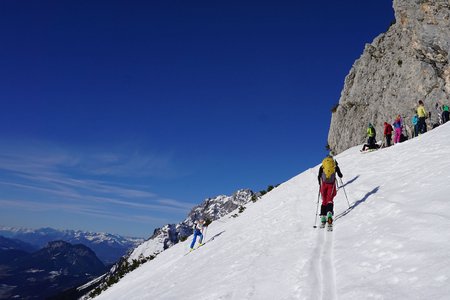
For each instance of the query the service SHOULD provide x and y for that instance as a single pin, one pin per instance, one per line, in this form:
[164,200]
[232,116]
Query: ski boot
[323,221]
[330,217]
[330,220]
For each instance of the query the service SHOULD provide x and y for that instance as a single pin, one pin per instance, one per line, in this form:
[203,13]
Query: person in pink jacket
[398,129]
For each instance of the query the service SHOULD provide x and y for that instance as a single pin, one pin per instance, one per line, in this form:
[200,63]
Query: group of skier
[418,121]
[329,168]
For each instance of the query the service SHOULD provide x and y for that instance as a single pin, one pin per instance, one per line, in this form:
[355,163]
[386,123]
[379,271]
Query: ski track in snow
[327,268]
[321,268]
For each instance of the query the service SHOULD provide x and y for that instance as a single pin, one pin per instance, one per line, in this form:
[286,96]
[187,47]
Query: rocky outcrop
[406,64]
[211,209]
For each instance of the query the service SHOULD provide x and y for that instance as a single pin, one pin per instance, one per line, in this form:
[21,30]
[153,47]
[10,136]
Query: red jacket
[388,129]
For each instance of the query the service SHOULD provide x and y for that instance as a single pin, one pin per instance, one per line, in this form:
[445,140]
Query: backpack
[329,170]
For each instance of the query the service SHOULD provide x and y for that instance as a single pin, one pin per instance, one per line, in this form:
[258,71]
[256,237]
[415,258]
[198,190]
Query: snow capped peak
[386,243]
[219,206]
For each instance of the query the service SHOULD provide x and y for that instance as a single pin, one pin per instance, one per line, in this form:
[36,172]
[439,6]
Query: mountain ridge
[108,247]
[48,271]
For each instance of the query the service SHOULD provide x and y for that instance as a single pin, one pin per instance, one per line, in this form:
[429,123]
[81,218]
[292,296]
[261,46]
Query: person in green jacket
[371,141]
[445,114]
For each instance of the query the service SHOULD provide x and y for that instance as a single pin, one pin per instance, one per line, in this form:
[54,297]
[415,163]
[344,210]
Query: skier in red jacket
[388,133]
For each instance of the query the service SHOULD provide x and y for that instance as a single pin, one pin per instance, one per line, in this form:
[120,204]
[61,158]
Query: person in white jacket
[198,231]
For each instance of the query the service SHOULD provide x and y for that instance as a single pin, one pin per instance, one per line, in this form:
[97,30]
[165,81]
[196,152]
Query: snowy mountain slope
[392,243]
[169,235]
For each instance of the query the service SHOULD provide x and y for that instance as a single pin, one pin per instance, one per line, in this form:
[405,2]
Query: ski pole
[204,235]
[345,193]
[317,209]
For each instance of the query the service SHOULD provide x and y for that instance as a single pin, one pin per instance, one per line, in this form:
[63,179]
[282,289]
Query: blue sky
[119,116]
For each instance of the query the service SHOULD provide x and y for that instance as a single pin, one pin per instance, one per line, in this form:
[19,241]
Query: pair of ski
[328,225]
[369,150]
[193,249]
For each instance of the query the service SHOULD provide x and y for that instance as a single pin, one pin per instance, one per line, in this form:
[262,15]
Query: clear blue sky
[119,116]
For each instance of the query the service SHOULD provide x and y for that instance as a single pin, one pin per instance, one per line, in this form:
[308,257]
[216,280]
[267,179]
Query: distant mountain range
[108,247]
[46,272]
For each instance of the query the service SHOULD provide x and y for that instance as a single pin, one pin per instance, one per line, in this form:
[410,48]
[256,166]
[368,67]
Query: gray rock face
[408,63]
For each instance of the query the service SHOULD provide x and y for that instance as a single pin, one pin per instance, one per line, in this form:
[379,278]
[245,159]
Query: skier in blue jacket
[415,122]
[198,231]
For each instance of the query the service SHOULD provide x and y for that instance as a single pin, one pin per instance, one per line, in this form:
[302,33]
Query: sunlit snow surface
[392,243]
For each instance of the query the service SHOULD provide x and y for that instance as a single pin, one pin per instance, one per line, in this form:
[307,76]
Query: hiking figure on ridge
[388,133]
[445,114]
[398,129]
[371,141]
[198,231]
[327,183]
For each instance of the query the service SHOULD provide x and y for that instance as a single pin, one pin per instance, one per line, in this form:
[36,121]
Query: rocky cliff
[406,64]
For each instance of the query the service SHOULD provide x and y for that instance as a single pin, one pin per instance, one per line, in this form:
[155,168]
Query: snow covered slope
[392,243]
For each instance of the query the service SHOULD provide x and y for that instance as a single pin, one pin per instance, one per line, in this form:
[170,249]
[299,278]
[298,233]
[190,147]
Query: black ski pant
[422,125]
[445,117]
[388,140]
[324,209]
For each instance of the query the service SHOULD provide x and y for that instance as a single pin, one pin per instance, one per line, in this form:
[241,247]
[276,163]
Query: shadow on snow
[349,182]
[212,238]
[348,210]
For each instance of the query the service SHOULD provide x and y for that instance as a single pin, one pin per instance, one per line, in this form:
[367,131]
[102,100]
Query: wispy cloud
[152,203]
[43,158]
[131,164]
[52,178]
[80,209]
